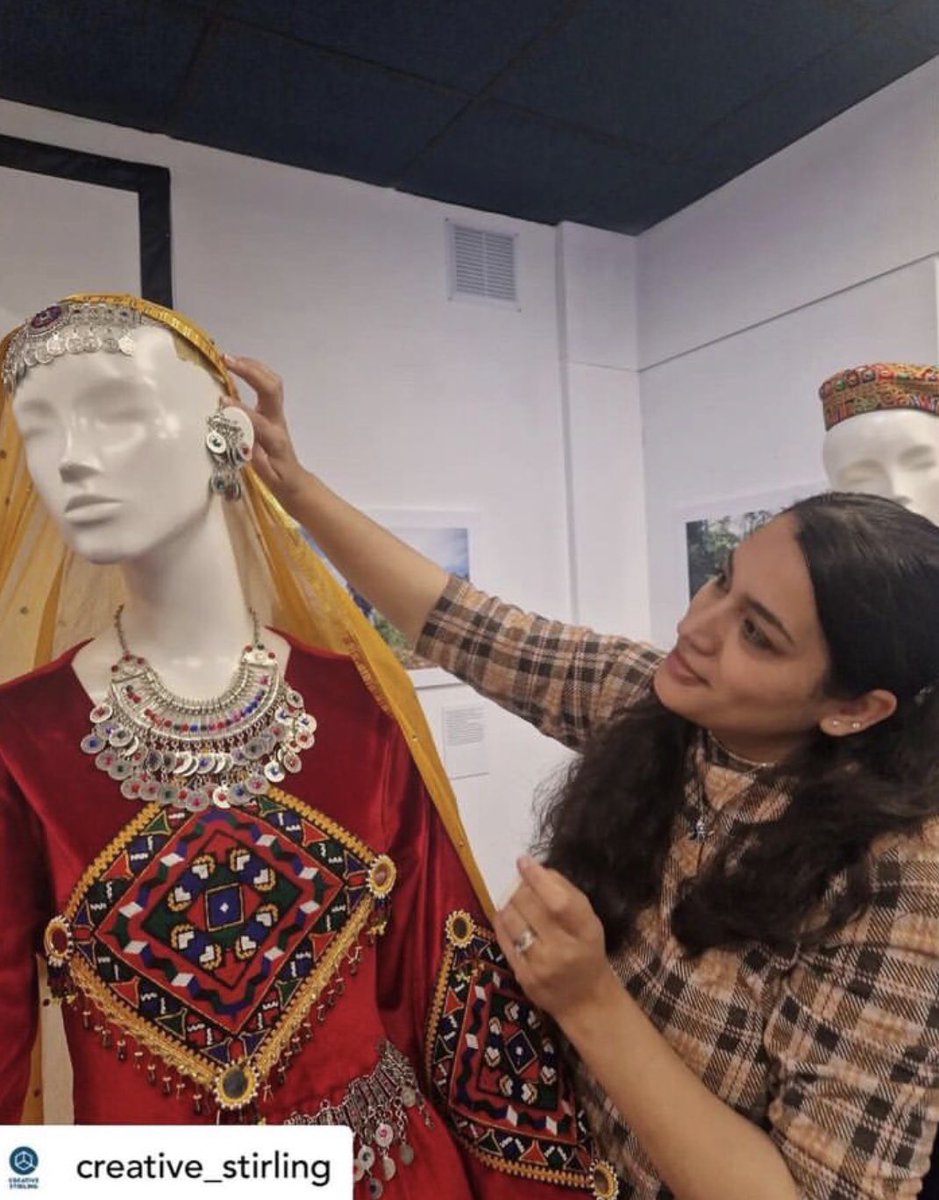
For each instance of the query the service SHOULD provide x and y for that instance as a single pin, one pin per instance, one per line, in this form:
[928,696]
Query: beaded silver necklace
[190,754]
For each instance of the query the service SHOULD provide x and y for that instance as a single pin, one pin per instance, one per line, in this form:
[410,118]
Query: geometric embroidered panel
[207,936]
[494,1071]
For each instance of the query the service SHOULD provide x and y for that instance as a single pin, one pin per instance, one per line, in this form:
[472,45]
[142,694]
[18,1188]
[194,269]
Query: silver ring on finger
[525,940]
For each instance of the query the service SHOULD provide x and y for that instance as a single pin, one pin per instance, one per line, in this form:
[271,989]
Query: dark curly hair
[874,568]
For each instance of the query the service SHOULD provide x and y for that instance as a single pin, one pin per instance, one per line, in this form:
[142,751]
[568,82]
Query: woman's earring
[229,440]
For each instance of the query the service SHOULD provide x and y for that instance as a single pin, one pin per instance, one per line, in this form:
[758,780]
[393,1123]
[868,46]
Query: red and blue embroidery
[493,1069]
[210,937]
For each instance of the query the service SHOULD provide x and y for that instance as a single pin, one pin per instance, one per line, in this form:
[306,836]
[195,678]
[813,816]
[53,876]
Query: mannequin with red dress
[218,835]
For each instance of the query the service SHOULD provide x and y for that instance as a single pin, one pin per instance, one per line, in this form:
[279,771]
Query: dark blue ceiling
[613,113]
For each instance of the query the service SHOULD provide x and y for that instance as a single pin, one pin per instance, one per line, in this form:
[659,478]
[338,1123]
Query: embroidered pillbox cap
[875,386]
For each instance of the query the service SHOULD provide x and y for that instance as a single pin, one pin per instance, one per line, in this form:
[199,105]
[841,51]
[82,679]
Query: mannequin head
[882,434]
[889,453]
[116,443]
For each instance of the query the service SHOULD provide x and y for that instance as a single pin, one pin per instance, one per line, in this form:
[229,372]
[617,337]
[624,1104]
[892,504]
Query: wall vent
[481,265]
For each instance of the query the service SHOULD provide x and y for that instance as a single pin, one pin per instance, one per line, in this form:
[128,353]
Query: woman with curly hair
[734,914]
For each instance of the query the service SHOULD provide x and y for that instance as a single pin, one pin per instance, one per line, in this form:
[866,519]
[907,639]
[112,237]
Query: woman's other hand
[554,942]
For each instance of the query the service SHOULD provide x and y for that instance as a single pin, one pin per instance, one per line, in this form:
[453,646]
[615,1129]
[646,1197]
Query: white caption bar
[197,1162]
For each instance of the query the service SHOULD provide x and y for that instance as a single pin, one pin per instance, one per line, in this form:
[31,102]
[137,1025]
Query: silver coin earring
[228,440]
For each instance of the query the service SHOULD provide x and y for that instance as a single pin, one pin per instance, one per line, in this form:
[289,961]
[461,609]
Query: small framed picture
[703,534]
[447,537]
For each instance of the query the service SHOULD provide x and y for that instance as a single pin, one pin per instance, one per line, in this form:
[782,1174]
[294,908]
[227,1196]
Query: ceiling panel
[821,90]
[499,159]
[611,112]
[271,97]
[657,72]
[918,20]
[449,41]
[116,61]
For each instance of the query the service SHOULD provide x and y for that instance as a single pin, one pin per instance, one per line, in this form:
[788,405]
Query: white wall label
[464,740]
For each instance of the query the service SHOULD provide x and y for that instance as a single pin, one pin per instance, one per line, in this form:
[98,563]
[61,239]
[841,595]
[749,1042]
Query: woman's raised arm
[401,583]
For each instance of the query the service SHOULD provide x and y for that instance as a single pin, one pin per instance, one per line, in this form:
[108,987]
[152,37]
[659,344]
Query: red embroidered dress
[254,962]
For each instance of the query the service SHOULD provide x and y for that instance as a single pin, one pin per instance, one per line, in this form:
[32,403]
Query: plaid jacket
[835,1051]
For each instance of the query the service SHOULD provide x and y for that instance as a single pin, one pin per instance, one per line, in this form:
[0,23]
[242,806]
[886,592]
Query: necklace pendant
[699,831]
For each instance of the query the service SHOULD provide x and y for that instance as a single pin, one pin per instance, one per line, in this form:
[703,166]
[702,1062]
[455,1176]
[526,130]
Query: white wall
[600,381]
[820,258]
[399,397]
[71,229]
[740,417]
[852,200]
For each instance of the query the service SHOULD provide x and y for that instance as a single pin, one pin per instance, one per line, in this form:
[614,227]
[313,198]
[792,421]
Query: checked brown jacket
[833,1051]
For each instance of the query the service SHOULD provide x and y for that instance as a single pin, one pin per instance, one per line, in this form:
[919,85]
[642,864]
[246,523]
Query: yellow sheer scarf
[50,598]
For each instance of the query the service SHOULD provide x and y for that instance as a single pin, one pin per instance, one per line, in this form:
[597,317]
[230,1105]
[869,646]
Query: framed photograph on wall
[449,538]
[703,534]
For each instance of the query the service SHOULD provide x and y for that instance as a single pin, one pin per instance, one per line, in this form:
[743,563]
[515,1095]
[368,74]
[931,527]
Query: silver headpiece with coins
[70,327]
[86,326]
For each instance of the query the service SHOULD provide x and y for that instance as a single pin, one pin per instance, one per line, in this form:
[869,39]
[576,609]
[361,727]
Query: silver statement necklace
[190,754]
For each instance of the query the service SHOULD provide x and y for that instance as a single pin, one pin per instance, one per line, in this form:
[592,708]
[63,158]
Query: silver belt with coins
[376,1106]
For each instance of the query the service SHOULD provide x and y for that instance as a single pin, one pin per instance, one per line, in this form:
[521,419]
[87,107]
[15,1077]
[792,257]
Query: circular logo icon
[24,1160]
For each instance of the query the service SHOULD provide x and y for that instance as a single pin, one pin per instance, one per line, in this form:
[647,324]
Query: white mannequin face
[892,453]
[115,445]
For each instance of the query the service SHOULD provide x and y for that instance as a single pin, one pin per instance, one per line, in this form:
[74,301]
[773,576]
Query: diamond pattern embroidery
[210,927]
[494,1071]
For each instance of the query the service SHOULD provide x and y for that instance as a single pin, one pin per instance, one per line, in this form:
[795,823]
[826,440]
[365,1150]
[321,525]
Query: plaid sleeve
[564,679]
[854,1043]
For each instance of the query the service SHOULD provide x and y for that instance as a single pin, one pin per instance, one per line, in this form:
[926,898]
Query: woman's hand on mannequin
[565,966]
[273,457]
[701,1147]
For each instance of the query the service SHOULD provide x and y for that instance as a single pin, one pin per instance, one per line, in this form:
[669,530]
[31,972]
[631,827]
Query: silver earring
[228,442]
[855,724]
[834,723]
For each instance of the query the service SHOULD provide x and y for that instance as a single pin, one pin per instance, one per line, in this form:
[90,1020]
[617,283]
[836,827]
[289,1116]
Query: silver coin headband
[72,327]
[84,327]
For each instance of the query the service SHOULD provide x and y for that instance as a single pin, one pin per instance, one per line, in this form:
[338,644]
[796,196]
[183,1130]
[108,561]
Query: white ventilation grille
[481,264]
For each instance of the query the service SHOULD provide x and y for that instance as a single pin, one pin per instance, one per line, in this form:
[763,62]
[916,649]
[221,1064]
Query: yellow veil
[50,598]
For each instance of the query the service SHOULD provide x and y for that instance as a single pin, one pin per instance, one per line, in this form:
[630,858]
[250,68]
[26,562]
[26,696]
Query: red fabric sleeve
[431,885]
[23,914]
